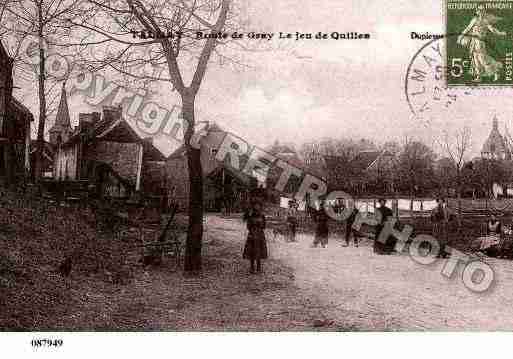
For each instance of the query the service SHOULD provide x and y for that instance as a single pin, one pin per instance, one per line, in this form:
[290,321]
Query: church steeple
[496,146]
[62,126]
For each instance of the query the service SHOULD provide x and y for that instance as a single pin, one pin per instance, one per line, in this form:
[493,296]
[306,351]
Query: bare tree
[313,152]
[456,148]
[45,20]
[445,174]
[170,39]
[415,167]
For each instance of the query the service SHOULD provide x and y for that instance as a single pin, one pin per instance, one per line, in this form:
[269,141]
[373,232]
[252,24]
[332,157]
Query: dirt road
[364,291]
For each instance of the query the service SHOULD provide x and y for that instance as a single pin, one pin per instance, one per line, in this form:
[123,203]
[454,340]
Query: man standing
[292,221]
[228,198]
[384,213]
[349,228]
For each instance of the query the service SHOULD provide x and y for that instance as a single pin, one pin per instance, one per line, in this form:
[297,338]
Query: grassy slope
[35,238]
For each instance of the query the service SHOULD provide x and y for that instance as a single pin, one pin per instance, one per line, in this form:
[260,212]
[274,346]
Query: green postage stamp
[479,42]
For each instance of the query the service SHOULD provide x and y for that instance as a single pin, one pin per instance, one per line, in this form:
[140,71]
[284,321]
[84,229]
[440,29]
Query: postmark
[426,89]
[481,51]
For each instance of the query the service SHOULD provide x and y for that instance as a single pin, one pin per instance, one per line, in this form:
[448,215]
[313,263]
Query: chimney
[87,120]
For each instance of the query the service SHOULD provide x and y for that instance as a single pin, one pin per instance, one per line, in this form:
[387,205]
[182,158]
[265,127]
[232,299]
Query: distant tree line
[415,169]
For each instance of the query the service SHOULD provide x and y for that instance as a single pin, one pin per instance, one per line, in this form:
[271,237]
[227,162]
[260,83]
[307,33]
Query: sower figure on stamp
[473,37]
[384,214]
[255,248]
[321,226]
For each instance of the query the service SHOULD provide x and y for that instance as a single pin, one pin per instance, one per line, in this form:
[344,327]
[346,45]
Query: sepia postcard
[229,166]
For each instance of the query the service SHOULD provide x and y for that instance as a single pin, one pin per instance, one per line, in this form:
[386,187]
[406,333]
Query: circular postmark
[425,88]
[429,86]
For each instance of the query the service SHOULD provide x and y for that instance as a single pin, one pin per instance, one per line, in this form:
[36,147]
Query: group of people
[255,249]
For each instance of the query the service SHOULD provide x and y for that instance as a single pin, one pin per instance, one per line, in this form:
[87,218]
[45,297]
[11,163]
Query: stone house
[15,120]
[220,182]
[106,151]
[288,154]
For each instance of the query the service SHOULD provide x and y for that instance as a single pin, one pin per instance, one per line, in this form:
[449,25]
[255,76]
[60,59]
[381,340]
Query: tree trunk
[412,214]
[459,203]
[7,126]
[42,102]
[192,262]
[9,161]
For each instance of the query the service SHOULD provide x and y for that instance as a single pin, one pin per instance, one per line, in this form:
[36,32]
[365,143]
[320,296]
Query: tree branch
[208,48]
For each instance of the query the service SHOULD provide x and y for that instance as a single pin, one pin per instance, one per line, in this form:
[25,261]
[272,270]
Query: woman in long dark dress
[256,248]
[321,229]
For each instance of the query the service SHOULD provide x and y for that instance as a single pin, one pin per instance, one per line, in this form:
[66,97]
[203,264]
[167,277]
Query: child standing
[256,248]
[292,221]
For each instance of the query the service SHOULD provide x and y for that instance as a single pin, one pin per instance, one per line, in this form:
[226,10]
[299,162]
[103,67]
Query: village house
[285,152]
[288,154]
[105,151]
[15,120]
[222,185]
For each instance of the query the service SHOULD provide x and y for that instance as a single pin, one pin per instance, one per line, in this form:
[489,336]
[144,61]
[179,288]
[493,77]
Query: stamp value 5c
[481,52]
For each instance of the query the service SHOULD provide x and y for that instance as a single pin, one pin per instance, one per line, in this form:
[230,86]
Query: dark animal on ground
[65,267]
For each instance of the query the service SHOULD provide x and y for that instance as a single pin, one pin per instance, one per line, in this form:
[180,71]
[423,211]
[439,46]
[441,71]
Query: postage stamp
[481,52]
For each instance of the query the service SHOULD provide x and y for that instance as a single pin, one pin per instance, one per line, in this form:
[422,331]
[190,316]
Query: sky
[333,88]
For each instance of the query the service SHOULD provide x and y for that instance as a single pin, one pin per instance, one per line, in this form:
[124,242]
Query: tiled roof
[239,176]
[116,127]
[278,149]
[180,151]
[21,108]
